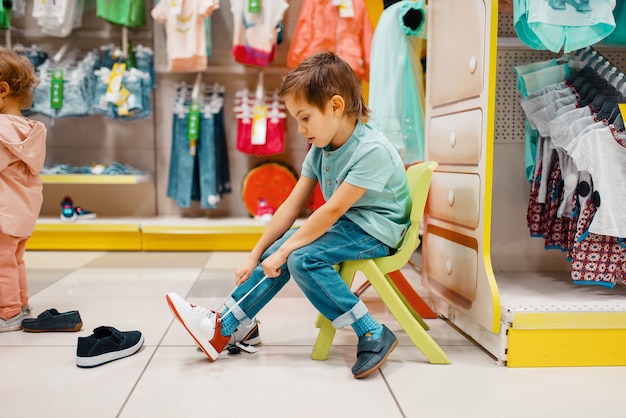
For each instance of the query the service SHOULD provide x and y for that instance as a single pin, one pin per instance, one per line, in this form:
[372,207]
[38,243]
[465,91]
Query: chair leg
[422,340]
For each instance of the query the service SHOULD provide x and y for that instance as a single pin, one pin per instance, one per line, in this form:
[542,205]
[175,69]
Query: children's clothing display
[199,168]
[342,27]
[185,30]
[260,124]
[58,17]
[131,13]
[557,24]
[575,203]
[255,32]
[396,94]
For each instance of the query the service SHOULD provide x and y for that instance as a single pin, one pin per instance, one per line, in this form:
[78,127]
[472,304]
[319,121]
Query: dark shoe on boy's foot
[52,320]
[107,344]
[205,326]
[372,352]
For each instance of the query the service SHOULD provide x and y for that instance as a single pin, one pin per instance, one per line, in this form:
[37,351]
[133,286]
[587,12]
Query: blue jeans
[312,267]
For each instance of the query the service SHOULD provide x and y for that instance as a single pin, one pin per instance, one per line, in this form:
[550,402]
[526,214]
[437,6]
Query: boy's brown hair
[18,72]
[320,77]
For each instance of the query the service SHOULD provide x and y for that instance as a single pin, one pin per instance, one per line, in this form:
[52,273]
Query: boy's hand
[244,271]
[271,265]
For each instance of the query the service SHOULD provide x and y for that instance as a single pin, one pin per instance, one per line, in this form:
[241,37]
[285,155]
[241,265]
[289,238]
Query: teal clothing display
[396,92]
[618,36]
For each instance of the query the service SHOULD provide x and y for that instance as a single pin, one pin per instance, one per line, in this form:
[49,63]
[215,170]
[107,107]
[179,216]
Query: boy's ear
[5,90]
[339,104]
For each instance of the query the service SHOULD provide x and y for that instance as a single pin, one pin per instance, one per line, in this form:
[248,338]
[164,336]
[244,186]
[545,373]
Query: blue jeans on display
[312,267]
[221,151]
[192,177]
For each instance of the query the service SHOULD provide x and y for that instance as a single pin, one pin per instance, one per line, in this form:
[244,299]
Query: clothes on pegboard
[260,123]
[255,30]
[199,171]
[559,24]
[343,27]
[130,13]
[576,198]
[58,18]
[396,90]
[185,32]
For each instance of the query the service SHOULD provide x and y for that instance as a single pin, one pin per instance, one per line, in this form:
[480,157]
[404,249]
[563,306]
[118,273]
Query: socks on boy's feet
[229,324]
[367,324]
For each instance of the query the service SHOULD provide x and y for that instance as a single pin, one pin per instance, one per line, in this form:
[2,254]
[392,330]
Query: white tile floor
[169,377]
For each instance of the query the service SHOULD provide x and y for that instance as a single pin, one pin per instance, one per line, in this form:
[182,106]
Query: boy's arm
[315,226]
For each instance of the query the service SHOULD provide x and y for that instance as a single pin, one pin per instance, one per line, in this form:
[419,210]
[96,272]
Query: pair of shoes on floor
[105,345]
[205,326]
[13,323]
[71,213]
[51,320]
[372,352]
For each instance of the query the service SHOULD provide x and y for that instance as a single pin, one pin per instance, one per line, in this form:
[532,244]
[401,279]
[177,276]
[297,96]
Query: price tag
[193,126]
[254,6]
[56,90]
[346,9]
[259,125]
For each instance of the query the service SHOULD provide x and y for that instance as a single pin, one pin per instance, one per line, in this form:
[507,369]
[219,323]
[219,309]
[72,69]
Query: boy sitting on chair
[367,209]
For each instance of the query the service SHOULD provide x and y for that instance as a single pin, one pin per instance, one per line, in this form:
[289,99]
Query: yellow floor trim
[88,237]
[196,238]
[569,320]
[566,347]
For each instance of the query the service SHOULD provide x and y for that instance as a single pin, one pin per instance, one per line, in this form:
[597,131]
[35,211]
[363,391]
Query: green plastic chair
[377,272]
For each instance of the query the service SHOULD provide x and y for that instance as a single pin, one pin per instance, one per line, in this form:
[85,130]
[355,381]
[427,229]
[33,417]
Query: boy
[364,184]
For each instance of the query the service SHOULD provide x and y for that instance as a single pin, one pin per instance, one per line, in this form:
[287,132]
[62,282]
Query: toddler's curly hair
[18,72]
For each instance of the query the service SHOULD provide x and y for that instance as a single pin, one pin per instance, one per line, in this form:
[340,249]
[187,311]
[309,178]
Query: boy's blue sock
[368,325]
[229,324]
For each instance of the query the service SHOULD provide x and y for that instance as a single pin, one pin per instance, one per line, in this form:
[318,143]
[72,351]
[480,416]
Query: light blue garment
[396,94]
[520,24]
[312,268]
[618,36]
[366,160]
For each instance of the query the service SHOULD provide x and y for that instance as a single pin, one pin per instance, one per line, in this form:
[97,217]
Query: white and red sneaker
[204,325]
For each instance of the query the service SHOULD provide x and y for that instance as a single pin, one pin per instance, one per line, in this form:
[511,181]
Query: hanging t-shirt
[324,26]
[131,13]
[255,32]
[184,27]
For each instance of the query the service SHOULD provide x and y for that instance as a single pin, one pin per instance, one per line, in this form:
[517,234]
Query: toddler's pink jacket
[22,155]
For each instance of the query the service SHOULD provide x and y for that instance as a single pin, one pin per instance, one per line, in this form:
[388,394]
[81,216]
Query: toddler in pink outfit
[22,155]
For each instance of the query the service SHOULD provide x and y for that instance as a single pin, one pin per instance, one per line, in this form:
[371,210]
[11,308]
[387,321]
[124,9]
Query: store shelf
[152,234]
[94,179]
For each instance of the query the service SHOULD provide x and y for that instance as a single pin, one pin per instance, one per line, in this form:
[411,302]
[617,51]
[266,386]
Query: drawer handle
[451,198]
[449,266]
[452,139]
[473,64]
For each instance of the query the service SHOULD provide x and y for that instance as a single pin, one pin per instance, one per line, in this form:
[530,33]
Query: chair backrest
[419,177]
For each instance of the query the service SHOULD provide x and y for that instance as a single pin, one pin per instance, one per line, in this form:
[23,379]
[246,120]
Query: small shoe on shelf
[71,213]
[52,320]
[105,345]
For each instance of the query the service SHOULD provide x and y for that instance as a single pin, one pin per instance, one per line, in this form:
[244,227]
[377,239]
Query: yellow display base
[87,237]
[200,238]
[566,347]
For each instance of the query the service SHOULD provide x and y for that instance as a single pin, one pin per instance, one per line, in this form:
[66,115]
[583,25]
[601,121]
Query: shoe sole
[10,328]
[78,327]
[252,338]
[380,363]
[209,350]
[87,362]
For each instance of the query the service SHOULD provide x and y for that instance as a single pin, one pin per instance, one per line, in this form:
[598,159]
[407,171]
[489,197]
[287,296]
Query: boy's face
[320,129]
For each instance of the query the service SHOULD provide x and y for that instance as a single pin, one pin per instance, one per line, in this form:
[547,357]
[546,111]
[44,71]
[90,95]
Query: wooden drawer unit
[456,138]
[452,269]
[458,58]
[455,198]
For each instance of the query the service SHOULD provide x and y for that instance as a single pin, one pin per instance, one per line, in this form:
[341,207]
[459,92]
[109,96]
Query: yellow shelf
[87,236]
[200,238]
[94,178]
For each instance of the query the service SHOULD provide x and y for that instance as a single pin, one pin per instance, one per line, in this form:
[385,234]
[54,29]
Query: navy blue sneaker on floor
[372,352]
[52,320]
[107,344]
